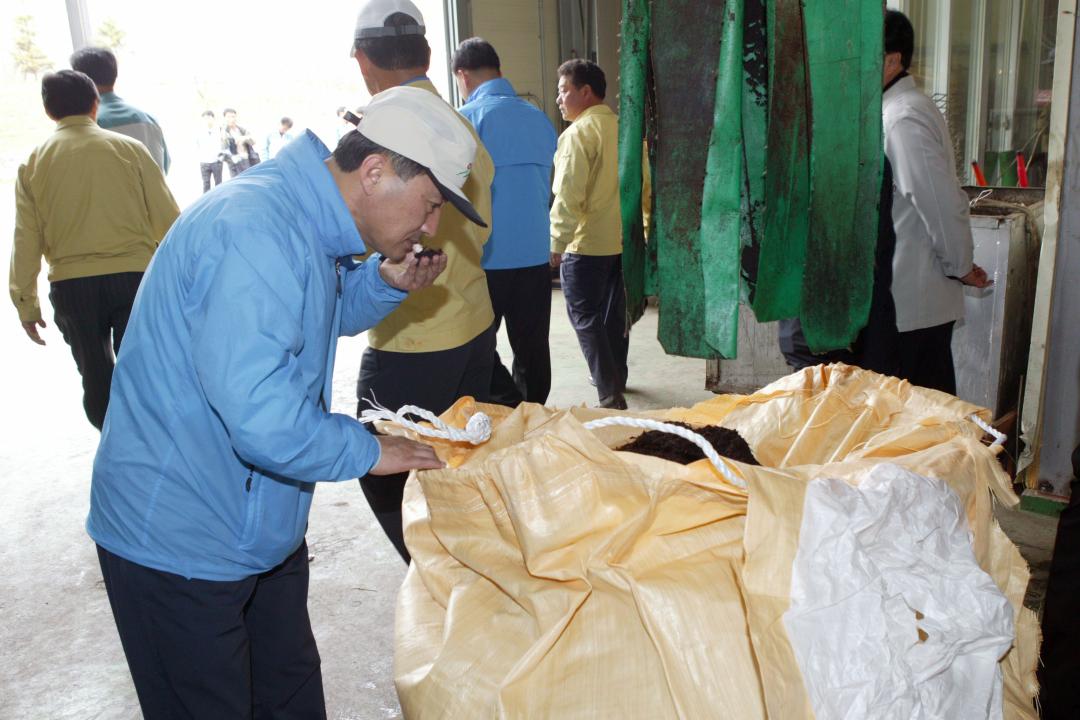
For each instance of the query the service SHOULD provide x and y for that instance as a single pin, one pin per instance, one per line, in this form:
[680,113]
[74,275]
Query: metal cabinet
[990,345]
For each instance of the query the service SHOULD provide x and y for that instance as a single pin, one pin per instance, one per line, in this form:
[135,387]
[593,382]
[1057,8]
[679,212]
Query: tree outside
[29,58]
[110,35]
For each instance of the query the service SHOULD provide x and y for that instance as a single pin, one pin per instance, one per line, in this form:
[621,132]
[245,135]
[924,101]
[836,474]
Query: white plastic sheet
[891,616]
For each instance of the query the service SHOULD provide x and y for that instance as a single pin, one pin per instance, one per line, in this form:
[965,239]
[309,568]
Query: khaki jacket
[91,202]
[585,217]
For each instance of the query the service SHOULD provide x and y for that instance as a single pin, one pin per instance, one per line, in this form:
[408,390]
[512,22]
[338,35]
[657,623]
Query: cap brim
[458,200]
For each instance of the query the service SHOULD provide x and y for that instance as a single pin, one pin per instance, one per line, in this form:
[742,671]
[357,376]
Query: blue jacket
[521,142]
[217,426]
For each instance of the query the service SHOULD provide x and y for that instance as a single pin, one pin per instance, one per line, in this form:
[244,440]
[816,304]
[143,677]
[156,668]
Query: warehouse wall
[608,19]
[525,33]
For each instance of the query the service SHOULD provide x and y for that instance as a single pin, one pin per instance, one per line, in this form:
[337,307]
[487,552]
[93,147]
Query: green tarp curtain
[634,88]
[846,158]
[755,196]
[721,199]
[776,289]
[684,73]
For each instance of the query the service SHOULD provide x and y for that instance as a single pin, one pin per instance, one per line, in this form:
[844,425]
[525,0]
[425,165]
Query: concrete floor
[62,655]
[1034,536]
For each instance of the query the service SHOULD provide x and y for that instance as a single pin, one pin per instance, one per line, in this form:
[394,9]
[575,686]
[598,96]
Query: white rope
[999,437]
[980,197]
[477,429]
[707,448]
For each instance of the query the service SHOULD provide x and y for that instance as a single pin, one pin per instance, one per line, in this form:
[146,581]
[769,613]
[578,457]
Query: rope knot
[477,429]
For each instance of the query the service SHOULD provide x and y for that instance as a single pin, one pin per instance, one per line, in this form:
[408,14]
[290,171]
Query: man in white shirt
[211,147]
[933,258]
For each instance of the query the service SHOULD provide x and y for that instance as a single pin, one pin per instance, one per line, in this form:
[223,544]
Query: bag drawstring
[478,430]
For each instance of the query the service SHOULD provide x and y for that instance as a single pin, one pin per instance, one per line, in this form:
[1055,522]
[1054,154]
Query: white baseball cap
[371,20]
[419,125]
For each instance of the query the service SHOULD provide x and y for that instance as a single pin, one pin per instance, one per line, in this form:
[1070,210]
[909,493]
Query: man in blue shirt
[522,143]
[114,113]
[219,423]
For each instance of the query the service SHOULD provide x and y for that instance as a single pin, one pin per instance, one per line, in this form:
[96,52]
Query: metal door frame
[78,23]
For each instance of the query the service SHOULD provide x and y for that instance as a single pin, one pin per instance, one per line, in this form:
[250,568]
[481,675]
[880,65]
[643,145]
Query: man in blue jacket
[219,424]
[522,143]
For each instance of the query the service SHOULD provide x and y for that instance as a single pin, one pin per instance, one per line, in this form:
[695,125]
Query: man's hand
[412,273]
[977,278]
[555,260]
[402,455]
[30,328]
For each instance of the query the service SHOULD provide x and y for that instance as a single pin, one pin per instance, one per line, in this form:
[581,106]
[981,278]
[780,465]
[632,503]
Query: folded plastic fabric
[555,577]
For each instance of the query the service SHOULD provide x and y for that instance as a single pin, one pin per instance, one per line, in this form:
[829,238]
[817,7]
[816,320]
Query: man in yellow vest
[440,343]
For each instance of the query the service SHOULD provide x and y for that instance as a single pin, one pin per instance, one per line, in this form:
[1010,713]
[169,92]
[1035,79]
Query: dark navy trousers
[92,315]
[596,304]
[925,358]
[210,649]
[522,297]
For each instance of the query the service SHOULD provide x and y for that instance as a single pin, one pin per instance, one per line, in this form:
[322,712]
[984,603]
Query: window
[988,64]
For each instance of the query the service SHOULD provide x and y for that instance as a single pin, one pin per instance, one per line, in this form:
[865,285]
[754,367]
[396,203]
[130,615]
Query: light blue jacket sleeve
[367,298]
[246,338]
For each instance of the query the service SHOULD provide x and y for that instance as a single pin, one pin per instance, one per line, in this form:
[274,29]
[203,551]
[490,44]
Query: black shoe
[615,402]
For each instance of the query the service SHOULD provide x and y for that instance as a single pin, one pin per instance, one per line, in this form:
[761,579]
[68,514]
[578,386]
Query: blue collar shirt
[521,141]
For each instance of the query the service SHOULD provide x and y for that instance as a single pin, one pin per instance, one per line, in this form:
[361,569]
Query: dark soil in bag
[657,443]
